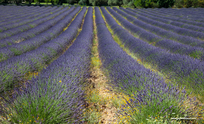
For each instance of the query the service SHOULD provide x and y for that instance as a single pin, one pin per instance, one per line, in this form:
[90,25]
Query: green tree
[143,3]
[138,3]
[200,3]
[55,2]
[72,1]
[84,2]
[154,3]
[178,3]
[60,2]
[4,1]
[37,2]
[98,2]
[115,2]
[30,1]
[166,3]
[47,1]
[189,3]
[129,3]
[18,2]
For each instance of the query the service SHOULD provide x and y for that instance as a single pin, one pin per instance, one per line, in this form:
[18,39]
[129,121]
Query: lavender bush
[196,26]
[161,32]
[186,70]
[30,44]
[184,14]
[148,92]
[13,69]
[158,41]
[21,17]
[56,95]
[27,20]
[16,34]
[169,27]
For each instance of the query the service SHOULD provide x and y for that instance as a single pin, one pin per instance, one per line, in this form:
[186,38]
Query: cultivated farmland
[101,65]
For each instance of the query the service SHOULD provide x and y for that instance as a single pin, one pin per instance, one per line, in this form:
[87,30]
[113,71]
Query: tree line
[124,3]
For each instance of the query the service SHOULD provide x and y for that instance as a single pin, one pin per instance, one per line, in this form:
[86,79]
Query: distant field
[48,3]
[101,65]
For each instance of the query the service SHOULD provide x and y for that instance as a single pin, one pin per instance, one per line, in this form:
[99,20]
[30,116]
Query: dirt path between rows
[102,101]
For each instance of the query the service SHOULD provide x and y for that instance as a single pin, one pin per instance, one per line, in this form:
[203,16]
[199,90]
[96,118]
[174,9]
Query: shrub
[189,3]
[83,2]
[115,2]
[178,4]
[200,3]
[165,3]
[98,2]
[154,3]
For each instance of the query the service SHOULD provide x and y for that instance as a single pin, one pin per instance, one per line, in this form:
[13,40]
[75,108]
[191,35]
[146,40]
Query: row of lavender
[13,22]
[164,13]
[169,27]
[191,25]
[56,95]
[195,14]
[13,69]
[19,17]
[13,33]
[184,39]
[158,41]
[34,42]
[149,93]
[15,11]
[177,21]
[186,70]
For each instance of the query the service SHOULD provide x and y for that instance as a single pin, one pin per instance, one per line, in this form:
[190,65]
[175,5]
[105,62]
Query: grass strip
[146,65]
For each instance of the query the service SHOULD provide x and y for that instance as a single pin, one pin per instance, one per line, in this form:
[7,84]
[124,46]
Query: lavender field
[106,65]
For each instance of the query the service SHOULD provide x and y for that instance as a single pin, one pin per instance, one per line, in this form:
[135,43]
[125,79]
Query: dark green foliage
[72,1]
[166,3]
[131,4]
[4,1]
[178,3]
[115,2]
[154,3]
[188,3]
[60,2]
[85,2]
[125,2]
[99,2]
[143,3]
[128,3]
